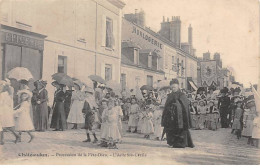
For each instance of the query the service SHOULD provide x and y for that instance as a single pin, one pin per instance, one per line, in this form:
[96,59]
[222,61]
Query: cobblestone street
[219,147]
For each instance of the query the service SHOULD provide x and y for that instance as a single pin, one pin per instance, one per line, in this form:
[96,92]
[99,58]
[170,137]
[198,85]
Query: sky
[230,27]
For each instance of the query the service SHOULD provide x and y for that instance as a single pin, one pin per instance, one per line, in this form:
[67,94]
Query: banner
[208,72]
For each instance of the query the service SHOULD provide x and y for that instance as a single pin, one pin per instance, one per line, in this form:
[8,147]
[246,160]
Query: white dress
[120,113]
[147,127]
[158,129]
[256,128]
[248,123]
[6,108]
[23,121]
[110,133]
[75,114]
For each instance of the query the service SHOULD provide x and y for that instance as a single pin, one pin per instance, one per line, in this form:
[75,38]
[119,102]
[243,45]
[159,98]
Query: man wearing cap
[176,118]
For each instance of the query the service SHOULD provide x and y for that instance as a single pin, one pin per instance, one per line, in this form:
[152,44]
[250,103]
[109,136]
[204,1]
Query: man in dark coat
[176,118]
[224,108]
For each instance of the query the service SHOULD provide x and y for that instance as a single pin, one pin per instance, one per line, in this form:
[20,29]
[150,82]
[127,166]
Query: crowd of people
[154,113]
[227,109]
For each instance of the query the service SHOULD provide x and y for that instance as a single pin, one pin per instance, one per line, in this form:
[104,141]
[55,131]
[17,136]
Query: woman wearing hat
[75,115]
[39,101]
[58,121]
[24,122]
[6,110]
[176,118]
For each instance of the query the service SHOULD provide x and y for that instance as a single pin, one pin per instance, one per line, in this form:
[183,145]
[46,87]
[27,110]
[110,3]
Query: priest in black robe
[176,118]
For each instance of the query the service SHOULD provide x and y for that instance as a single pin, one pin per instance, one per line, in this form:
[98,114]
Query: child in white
[111,133]
[120,112]
[157,117]
[203,114]
[23,121]
[147,128]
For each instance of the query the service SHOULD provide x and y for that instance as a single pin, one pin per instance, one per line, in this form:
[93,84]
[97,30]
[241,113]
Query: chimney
[190,36]
[163,19]
[167,19]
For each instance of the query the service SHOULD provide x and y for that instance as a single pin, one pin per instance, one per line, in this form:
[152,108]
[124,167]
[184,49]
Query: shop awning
[193,85]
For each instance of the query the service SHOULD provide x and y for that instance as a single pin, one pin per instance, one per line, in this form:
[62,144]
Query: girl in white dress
[6,109]
[147,128]
[77,101]
[111,134]
[203,114]
[157,118]
[23,122]
[120,112]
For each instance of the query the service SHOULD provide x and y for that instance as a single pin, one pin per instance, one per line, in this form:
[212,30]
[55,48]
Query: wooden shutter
[115,34]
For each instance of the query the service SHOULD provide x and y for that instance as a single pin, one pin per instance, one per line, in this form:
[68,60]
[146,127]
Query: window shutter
[115,34]
[102,70]
[104,31]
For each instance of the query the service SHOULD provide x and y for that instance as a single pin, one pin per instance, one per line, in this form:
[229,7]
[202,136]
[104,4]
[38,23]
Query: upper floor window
[109,33]
[62,64]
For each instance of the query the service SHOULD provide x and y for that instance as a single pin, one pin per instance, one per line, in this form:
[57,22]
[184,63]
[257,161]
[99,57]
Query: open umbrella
[146,87]
[97,79]
[113,85]
[62,78]
[20,73]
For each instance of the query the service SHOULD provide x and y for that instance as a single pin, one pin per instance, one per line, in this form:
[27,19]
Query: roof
[163,39]
[127,61]
[129,44]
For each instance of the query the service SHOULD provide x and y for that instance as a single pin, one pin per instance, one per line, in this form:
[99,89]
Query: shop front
[20,48]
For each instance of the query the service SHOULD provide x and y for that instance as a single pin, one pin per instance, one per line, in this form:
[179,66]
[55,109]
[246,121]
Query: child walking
[111,134]
[23,122]
[120,112]
[89,120]
[147,128]
[133,116]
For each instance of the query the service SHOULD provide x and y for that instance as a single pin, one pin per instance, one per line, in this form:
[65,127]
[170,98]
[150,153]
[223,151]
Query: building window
[178,66]
[173,65]
[182,68]
[182,85]
[108,72]
[123,81]
[109,33]
[62,64]
[149,80]
[136,56]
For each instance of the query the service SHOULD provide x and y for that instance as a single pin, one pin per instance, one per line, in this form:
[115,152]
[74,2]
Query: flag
[257,99]
[208,72]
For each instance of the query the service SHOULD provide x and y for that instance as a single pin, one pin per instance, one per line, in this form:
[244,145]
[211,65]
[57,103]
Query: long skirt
[179,138]
[248,128]
[147,127]
[75,114]
[202,121]
[40,116]
[110,133]
[133,121]
[58,120]
[195,121]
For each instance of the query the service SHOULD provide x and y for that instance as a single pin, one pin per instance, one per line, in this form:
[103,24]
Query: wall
[133,72]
